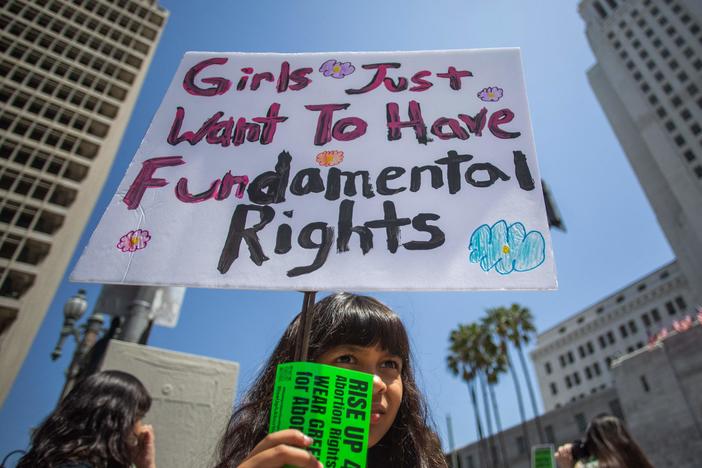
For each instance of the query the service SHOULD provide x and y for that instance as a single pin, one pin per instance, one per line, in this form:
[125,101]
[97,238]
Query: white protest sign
[326,171]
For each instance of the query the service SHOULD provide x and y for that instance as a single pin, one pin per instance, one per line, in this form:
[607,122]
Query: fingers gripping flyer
[330,404]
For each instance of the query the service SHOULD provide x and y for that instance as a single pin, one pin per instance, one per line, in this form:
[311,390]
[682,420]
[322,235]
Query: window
[588,373]
[596,368]
[610,337]
[680,302]
[568,382]
[9,246]
[689,156]
[655,315]
[669,307]
[602,342]
[581,351]
[521,445]
[581,422]
[469,462]
[562,360]
[622,331]
[616,408]
[600,10]
[576,378]
[16,284]
[646,320]
[550,437]
[632,327]
[547,366]
[571,358]
[590,348]
[554,389]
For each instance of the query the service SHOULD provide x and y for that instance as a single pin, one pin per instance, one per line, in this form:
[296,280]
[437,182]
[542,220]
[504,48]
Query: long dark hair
[608,440]
[93,424]
[340,319]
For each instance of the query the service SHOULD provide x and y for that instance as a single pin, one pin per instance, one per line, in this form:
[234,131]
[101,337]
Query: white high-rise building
[648,79]
[70,73]
[572,359]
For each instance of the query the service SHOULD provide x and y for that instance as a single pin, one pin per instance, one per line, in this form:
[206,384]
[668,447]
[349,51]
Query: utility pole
[454,455]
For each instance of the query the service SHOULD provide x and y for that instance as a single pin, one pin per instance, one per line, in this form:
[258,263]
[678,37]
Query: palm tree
[461,361]
[496,364]
[497,320]
[519,332]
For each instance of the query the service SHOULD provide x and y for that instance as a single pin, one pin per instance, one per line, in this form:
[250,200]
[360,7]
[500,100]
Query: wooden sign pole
[303,336]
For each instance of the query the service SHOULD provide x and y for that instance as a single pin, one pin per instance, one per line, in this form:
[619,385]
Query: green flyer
[542,456]
[330,404]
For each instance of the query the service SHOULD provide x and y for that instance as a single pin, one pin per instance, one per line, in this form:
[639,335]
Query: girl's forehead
[376,349]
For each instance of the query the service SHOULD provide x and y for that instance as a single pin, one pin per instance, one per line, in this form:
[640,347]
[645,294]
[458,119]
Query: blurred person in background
[607,444]
[97,425]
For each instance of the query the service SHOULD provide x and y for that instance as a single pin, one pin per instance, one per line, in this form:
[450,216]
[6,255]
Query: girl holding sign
[354,332]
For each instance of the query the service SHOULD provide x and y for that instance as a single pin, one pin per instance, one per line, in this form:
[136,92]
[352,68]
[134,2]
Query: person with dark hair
[354,332]
[97,425]
[607,444]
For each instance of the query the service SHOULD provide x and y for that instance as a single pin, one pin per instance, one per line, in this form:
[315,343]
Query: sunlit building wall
[70,73]
[648,79]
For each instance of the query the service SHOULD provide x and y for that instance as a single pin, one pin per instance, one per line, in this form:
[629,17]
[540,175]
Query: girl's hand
[282,448]
[145,456]
[564,456]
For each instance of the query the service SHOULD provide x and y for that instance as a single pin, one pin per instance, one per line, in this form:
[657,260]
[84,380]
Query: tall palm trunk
[520,400]
[498,421]
[537,419]
[488,417]
[478,424]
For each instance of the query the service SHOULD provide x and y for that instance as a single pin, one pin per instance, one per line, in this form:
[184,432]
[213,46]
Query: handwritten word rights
[271,187]
[298,79]
[223,131]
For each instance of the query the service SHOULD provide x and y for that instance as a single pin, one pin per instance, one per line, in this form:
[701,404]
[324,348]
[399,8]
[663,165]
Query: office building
[70,73]
[573,359]
[648,80]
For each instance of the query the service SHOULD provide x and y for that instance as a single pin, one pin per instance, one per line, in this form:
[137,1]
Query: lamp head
[75,307]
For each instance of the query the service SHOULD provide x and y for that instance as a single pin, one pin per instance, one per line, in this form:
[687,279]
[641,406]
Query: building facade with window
[70,73]
[655,391]
[648,80]
[573,359]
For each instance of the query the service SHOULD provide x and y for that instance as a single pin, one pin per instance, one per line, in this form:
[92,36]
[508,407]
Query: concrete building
[655,390]
[192,399]
[648,79]
[661,399]
[70,73]
[572,359]
[560,426]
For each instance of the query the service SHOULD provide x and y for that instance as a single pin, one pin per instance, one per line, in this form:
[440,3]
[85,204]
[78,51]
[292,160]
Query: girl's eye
[345,359]
[391,364]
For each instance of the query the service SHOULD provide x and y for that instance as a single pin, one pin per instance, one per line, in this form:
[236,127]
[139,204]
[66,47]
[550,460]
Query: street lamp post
[73,310]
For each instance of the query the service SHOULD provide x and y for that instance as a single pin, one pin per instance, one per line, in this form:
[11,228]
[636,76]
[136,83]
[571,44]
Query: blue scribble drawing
[507,248]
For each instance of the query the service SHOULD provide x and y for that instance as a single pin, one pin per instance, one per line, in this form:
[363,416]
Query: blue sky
[612,237]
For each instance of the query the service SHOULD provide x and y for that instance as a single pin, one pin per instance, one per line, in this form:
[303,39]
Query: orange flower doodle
[330,158]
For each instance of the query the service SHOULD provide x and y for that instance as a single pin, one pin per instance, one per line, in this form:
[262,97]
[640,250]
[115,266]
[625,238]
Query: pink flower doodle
[491,94]
[336,69]
[134,240]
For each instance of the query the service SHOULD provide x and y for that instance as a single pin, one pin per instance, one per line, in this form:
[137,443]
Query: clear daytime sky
[612,240]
